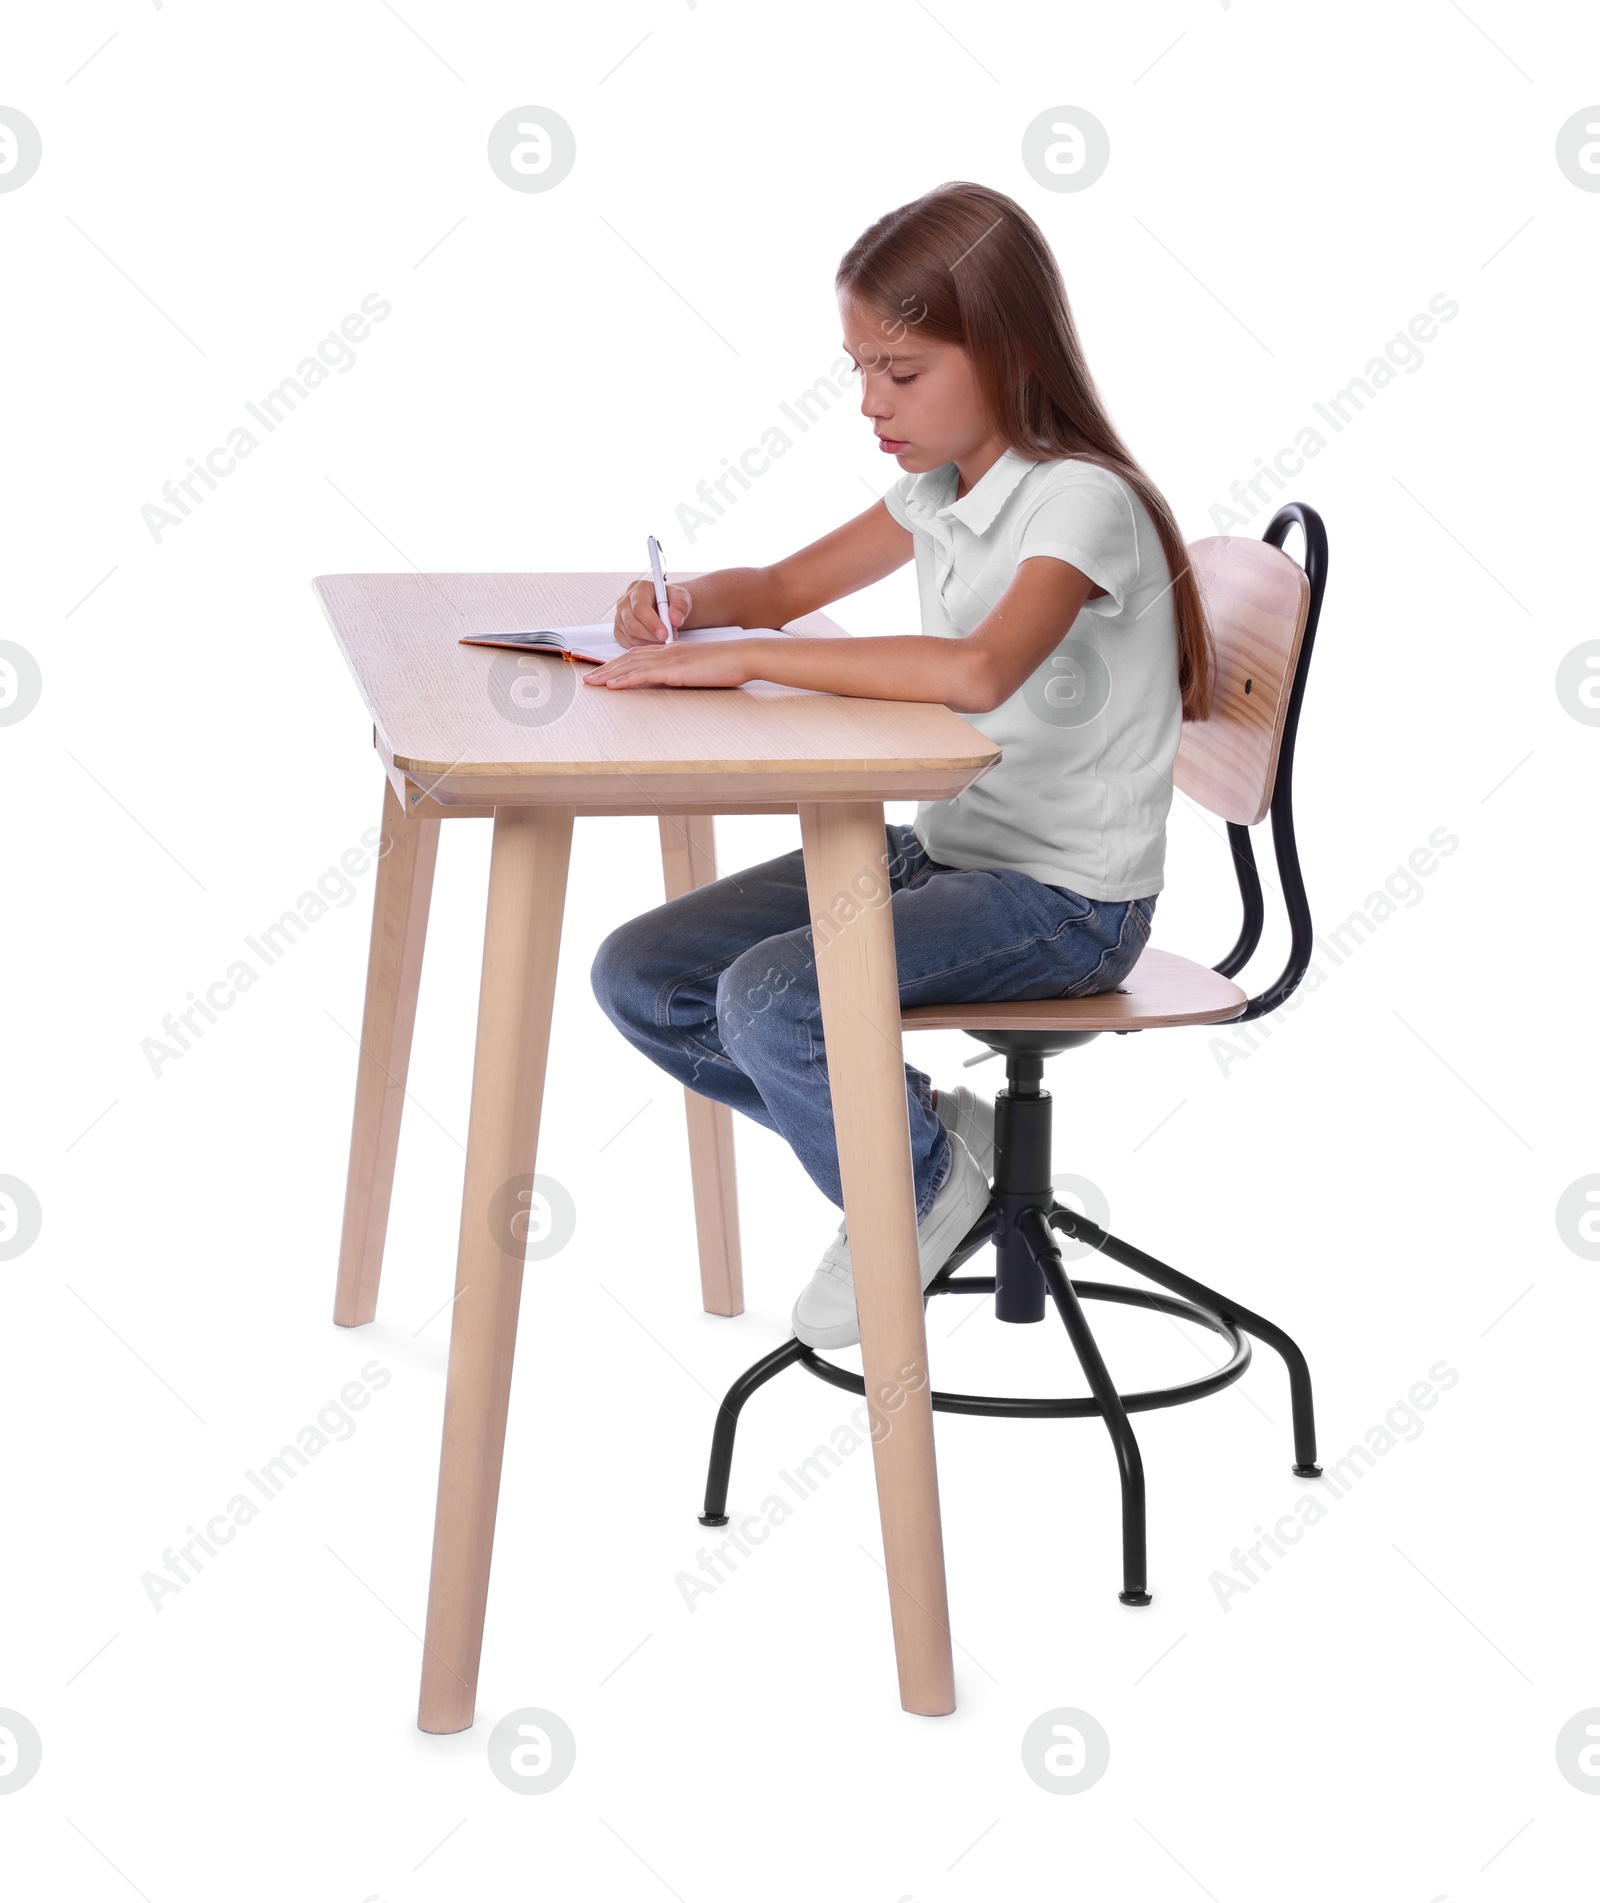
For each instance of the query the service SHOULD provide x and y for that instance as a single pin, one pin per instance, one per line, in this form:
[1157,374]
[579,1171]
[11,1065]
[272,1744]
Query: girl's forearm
[887,667]
[734,598]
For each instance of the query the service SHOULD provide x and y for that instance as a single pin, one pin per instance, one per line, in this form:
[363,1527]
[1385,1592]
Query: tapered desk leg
[408,851]
[689,859]
[847,884]
[522,937]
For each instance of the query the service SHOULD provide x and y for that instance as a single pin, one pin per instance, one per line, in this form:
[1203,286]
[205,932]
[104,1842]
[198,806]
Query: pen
[658,575]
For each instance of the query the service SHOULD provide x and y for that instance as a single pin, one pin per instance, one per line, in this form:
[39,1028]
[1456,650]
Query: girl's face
[921,397]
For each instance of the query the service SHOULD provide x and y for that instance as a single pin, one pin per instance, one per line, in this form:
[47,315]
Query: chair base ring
[1075,1406]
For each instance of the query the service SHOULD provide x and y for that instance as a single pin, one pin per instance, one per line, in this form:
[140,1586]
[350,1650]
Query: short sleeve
[895,500]
[1084,516]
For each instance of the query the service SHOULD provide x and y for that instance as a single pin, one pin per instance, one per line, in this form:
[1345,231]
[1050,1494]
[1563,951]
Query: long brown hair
[966,265]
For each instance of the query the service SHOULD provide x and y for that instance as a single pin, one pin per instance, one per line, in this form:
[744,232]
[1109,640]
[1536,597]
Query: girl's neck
[972,468]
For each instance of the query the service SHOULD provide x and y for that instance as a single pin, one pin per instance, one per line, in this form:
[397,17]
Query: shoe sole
[972,1133]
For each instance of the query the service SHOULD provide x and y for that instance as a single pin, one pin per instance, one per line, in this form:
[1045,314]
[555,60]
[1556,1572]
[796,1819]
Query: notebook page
[595,638]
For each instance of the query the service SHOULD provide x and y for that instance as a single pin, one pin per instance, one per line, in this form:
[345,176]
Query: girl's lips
[890,447]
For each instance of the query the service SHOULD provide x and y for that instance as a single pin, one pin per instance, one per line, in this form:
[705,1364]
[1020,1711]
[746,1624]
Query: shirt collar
[977,509]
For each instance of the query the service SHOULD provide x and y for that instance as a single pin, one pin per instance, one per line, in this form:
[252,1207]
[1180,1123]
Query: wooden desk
[481,732]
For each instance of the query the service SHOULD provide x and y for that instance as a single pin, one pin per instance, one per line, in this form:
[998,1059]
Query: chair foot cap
[713,1519]
[1134,1598]
[1309,1471]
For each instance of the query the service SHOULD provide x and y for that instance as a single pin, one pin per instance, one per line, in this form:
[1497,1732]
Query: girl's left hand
[669,664]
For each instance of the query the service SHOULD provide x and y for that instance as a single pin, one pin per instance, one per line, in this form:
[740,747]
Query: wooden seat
[1162,989]
[1258,601]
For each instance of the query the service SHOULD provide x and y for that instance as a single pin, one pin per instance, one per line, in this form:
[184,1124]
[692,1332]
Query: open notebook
[591,640]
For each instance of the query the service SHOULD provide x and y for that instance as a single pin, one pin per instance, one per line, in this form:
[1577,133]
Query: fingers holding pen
[636,622]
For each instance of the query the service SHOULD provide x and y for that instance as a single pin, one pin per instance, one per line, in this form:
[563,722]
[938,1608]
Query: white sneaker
[967,1115]
[825,1314]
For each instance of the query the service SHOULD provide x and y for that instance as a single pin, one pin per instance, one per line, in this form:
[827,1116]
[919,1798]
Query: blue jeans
[719,986]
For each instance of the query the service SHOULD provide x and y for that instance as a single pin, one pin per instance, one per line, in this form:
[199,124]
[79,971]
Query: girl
[1059,615]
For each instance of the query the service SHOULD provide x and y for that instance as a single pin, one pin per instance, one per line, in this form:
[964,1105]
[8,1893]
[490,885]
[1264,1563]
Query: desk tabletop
[485,726]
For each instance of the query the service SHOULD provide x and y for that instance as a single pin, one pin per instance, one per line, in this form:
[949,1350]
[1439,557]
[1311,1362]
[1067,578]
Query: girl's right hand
[637,624]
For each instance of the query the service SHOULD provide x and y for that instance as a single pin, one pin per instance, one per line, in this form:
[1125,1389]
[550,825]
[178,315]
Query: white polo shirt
[1081,792]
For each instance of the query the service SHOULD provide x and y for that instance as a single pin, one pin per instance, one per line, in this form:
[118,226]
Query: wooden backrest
[1257,599]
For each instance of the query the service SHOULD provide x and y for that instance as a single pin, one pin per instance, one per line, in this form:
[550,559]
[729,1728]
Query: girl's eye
[911,379]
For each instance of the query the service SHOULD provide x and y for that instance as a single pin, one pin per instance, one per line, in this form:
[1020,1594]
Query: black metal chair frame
[1023,1211]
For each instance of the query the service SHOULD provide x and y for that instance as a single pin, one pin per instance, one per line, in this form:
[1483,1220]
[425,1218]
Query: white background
[1288,187]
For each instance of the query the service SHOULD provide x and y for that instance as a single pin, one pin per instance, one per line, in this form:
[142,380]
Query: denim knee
[615,972]
[763,987]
